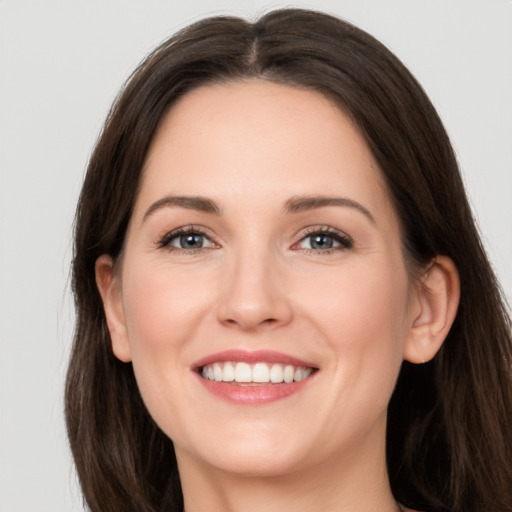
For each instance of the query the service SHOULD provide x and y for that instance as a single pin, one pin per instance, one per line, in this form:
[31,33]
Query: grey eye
[319,241]
[322,242]
[190,241]
[325,241]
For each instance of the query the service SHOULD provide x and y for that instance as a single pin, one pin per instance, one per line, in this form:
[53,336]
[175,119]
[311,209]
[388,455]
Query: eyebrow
[202,204]
[293,205]
[299,204]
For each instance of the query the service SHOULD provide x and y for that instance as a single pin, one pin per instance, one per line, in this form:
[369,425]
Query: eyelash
[167,239]
[345,242]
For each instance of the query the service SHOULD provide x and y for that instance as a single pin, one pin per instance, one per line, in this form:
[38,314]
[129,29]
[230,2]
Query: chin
[252,453]
[253,464]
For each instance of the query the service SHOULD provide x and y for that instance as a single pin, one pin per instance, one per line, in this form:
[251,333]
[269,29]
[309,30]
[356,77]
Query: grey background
[61,64]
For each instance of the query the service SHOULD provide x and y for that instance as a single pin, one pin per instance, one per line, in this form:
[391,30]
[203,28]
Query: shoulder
[405,509]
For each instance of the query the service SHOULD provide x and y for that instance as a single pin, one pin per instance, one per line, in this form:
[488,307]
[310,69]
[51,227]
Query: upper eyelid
[343,238]
[323,229]
[163,240]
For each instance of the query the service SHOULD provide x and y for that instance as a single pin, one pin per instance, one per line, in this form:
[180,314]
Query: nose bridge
[253,293]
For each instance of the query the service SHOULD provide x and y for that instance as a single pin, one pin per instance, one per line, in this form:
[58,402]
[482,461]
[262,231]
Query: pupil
[191,241]
[321,242]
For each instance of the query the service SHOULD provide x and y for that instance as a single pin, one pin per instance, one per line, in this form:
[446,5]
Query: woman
[282,299]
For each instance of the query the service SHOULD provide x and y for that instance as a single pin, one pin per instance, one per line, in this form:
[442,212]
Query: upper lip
[251,356]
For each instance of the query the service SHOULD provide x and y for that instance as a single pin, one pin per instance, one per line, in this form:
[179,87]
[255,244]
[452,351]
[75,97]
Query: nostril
[253,307]
[250,325]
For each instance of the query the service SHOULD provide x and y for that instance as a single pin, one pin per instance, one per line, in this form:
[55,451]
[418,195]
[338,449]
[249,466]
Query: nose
[254,294]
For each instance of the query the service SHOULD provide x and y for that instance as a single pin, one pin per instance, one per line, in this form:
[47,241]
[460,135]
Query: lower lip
[252,394]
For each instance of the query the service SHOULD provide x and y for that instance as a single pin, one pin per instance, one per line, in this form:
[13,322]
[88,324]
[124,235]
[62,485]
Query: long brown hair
[450,420]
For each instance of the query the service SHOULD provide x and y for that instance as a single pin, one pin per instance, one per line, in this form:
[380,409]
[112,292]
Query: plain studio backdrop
[62,64]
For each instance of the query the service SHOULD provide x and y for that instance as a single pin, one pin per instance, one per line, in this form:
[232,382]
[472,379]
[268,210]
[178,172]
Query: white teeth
[260,373]
[217,371]
[243,372]
[228,374]
[288,373]
[276,373]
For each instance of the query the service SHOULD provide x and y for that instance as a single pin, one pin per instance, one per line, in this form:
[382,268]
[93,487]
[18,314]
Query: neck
[345,483]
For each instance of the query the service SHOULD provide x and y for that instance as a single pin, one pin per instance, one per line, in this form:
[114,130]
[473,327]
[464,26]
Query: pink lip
[255,356]
[251,394]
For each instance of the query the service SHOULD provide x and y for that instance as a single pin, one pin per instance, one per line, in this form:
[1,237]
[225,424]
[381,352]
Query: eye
[190,241]
[187,239]
[325,241]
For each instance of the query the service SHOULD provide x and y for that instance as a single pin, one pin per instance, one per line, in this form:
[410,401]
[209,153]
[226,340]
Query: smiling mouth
[256,374]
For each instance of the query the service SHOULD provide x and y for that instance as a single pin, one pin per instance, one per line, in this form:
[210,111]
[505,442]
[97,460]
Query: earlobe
[108,284]
[436,303]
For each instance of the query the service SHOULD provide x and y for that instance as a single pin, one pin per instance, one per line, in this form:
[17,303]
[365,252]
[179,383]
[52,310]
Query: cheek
[364,329]
[361,298]
[161,308]
[163,311]
[363,317]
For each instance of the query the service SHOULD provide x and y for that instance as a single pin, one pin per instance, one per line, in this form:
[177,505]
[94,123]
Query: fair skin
[259,266]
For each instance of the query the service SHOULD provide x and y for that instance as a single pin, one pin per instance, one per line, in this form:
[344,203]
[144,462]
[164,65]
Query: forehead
[260,139]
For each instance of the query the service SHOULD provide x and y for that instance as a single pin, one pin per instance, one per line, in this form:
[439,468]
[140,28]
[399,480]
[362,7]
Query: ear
[109,286]
[433,311]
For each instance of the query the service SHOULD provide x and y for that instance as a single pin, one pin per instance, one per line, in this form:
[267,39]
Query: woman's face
[263,248]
